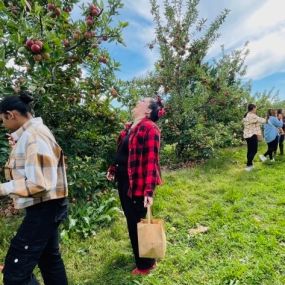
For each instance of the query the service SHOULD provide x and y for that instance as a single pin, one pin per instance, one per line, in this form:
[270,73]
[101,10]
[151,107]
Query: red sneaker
[138,271]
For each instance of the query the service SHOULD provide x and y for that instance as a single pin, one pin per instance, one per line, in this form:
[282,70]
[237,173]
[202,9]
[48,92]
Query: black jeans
[252,145]
[281,144]
[134,211]
[272,147]
[37,243]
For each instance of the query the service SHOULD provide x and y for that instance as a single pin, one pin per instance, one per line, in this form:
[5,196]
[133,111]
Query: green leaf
[72,222]
[123,24]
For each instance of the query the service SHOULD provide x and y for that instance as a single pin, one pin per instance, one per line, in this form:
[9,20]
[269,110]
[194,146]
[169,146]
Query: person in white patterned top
[37,182]
[251,133]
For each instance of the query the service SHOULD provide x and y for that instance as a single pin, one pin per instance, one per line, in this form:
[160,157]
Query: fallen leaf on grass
[199,230]
[257,218]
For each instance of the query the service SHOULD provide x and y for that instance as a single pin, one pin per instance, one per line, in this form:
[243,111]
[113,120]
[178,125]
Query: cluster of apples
[94,11]
[36,47]
[56,11]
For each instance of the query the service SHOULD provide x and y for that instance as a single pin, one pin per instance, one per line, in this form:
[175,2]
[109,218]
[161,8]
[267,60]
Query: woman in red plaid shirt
[137,170]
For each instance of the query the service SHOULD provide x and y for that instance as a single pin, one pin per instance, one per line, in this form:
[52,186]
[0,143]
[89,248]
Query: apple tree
[205,98]
[57,49]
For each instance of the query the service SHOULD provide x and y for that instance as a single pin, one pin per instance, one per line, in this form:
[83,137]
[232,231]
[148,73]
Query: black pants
[271,148]
[252,145]
[37,243]
[134,211]
[281,144]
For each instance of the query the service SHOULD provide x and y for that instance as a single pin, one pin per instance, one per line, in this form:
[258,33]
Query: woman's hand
[110,176]
[11,140]
[148,201]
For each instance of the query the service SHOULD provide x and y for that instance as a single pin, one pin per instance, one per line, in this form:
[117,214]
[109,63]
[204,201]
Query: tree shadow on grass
[115,271]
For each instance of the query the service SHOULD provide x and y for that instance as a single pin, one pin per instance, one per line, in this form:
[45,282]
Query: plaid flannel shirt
[35,169]
[143,160]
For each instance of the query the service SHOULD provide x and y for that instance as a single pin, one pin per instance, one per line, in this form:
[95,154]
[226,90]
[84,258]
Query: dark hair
[19,103]
[156,106]
[279,111]
[271,112]
[250,107]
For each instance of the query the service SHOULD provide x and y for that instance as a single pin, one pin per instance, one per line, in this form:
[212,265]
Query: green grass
[245,244]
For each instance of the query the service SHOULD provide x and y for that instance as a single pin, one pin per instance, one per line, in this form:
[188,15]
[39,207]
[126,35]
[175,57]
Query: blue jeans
[37,243]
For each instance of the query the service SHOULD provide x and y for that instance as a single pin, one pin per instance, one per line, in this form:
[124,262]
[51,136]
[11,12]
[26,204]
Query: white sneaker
[262,157]
[272,160]
[249,168]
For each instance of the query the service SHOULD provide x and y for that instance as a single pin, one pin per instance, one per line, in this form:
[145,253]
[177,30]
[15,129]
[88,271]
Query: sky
[259,22]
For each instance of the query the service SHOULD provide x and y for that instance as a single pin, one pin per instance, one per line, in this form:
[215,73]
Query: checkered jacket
[143,160]
[35,170]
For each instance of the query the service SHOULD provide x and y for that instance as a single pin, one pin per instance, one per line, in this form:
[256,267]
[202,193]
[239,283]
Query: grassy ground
[245,244]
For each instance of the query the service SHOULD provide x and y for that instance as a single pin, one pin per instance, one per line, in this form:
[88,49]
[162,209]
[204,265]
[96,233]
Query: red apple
[57,11]
[67,9]
[88,35]
[51,6]
[39,43]
[35,48]
[103,59]
[66,43]
[89,22]
[29,43]
[90,18]
[92,6]
[94,10]
[38,57]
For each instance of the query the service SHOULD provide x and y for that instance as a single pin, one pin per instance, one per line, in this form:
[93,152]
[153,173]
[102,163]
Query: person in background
[271,134]
[251,132]
[137,170]
[280,117]
[37,183]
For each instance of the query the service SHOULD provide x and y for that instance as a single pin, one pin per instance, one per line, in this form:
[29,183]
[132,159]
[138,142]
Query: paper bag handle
[148,214]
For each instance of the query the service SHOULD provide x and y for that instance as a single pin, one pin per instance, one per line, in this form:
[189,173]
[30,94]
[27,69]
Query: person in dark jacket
[137,171]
